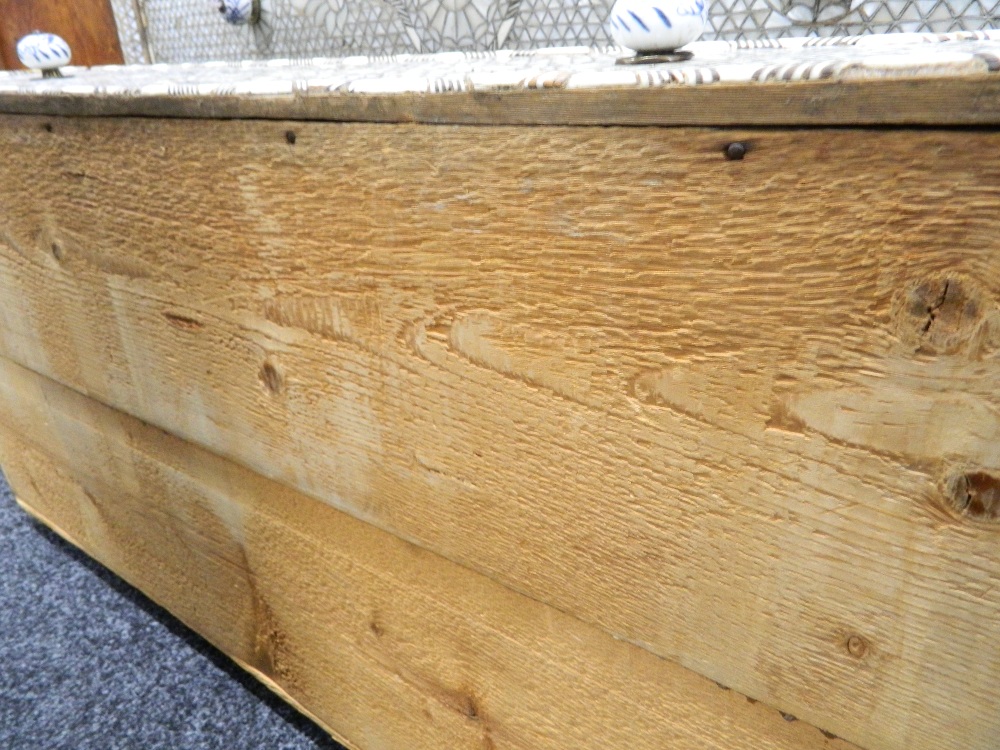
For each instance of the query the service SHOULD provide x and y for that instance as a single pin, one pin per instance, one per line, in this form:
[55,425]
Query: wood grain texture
[742,413]
[87,25]
[387,645]
[930,101]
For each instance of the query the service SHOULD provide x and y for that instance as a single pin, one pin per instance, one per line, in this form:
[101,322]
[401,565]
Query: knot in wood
[940,315]
[857,646]
[975,495]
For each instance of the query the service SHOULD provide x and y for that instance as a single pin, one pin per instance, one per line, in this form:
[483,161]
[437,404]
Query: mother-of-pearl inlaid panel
[194,30]
[872,56]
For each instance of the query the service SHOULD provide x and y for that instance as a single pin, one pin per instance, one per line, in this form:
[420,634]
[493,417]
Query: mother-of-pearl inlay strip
[193,30]
[791,59]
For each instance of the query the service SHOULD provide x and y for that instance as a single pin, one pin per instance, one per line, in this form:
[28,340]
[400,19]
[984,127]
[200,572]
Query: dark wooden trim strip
[940,101]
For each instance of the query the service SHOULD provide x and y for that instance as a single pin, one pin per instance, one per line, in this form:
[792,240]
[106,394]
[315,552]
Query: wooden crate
[462,421]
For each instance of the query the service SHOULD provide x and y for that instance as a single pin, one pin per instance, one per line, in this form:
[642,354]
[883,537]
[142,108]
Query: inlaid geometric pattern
[554,23]
[131,34]
[192,30]
[872,56]
[755,19]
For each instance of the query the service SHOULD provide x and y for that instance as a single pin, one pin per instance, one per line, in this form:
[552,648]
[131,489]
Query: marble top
[795,59]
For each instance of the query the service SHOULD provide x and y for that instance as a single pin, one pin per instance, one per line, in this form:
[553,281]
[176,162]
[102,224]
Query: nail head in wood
[736,150]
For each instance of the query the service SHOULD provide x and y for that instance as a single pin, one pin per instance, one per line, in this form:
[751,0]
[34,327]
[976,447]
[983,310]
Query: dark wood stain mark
[184,322]
[271,378]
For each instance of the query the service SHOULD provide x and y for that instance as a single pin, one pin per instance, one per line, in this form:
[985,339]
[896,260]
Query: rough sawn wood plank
[387,645]
[744,414]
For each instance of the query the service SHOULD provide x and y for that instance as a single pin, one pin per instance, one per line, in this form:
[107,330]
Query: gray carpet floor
[88,663]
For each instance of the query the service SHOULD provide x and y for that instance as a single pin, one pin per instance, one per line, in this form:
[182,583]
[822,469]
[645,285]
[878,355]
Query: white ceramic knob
[44,52]
[651,26]
[240,12]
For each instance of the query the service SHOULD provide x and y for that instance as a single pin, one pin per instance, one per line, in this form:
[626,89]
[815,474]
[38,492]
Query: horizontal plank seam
[29,441]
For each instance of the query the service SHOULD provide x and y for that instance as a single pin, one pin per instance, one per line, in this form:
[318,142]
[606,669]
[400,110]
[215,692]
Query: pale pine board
[386,644]
[689,400]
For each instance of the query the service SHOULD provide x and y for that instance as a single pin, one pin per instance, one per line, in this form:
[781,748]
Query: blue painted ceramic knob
[657,26]
[45,52]
[240,12]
